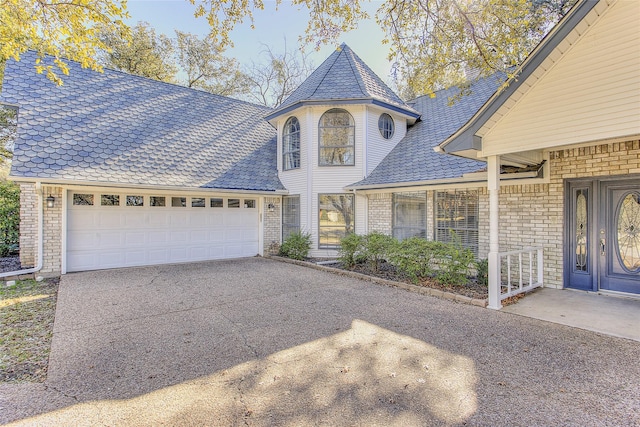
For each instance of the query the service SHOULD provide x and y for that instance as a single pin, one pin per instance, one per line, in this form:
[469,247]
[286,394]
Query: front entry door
[619,237]
[602,246]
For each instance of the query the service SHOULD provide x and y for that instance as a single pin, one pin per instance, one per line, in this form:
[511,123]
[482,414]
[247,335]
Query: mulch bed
[10,263]
[387,271]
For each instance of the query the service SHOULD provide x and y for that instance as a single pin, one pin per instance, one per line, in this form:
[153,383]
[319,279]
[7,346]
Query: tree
[434,43]
[62,29]
[144,53]
[207,68]
[277,75]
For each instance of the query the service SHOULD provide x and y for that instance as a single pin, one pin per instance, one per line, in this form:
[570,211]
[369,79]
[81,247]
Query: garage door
[108,230]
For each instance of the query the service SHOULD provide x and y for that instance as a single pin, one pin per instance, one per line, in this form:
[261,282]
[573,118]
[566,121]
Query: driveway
[258,342]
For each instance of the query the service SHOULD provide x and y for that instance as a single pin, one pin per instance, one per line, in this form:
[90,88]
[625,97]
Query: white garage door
[108,230]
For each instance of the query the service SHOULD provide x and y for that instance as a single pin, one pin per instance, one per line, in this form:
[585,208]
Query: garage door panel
[117,236]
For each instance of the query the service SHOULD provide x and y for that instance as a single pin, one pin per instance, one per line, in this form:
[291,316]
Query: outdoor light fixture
[51,201]
[271,207]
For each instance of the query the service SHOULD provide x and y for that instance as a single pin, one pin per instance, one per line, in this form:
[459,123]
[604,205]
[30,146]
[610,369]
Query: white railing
[520,271]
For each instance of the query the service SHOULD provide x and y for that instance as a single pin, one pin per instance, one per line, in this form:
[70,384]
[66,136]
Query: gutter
[100,184]
[38,266]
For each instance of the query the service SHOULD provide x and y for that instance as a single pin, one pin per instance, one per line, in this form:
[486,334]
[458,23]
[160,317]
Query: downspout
[38,266]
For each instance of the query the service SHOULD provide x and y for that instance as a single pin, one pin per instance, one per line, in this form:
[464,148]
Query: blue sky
[271,28]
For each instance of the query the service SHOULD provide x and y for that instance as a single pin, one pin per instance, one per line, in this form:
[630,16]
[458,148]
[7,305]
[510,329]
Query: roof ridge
[328,70]
[149,79]
[356,73]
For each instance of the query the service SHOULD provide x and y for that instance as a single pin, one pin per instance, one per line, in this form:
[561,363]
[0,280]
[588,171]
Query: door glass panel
[581,230]
[628,232]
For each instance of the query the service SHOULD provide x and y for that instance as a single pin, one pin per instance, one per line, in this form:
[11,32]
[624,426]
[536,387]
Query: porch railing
[521,271]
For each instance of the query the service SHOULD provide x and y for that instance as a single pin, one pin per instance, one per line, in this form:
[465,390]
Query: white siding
[591,93]
[378,147]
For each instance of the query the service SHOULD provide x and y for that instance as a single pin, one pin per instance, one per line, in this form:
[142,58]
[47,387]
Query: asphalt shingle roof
[343,76]
[113,127]
[413,159]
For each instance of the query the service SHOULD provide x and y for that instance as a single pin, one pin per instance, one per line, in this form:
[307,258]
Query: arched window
[337,139]
[386,126]
[291,144]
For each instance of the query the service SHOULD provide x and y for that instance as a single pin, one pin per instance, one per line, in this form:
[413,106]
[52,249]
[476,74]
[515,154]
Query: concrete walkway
[261,343]
[608,314]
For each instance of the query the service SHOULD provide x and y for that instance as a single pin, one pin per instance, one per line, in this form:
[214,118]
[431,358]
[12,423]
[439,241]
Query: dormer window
[291,144]
[386,126]
[337,138]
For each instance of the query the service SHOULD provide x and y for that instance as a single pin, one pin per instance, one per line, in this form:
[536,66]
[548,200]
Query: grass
[27,311]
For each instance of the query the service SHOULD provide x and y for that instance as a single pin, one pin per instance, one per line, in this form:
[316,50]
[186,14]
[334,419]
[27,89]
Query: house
[540,175]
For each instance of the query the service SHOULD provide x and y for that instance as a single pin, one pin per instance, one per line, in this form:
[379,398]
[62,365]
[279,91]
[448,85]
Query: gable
[587,90]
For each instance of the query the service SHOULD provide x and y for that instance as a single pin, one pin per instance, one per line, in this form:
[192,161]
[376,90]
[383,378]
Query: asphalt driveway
[258,342]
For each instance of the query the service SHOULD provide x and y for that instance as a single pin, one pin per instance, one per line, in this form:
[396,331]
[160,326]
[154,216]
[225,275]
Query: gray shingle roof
[413,159]
[113,127]
[343,76]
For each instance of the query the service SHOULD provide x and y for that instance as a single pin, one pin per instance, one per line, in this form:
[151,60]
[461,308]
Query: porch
[608,314]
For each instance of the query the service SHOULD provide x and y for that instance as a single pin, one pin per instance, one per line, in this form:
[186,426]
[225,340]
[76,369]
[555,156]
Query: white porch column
[493,166]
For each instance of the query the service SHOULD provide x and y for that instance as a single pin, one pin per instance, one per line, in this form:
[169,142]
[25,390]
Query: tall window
[291,144]
[457,217]
[409,215]
[290,215]
[337,139]
[335,219]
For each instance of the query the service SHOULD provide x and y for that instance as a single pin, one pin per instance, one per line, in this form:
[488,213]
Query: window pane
[83,199]
[386,126]
[457,217]
[336,219]
[337,138]
[249,203]
[179,202]
[581,230]
[290,215]
[197,202]
[157,201]
[409,215]
[135,200]
[110,200]
[217,203]
[291,144]
[233,203]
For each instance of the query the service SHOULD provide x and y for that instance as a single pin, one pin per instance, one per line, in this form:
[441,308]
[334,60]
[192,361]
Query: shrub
[351,250]
[415,257]
[482,272]
[296,246]
[454,265]
[9,217]
[376,248]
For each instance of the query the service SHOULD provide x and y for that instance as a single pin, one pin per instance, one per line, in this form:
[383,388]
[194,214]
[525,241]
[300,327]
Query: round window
[386,126]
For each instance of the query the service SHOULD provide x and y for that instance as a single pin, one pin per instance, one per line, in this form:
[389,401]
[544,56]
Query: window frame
[408,199]
[351,137]
[349,227]
[468,235]
[386,126]
[289,226]
[291,154]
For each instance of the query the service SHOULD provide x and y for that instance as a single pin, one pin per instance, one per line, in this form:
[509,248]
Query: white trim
[63,255]
[260,205]
[140,187]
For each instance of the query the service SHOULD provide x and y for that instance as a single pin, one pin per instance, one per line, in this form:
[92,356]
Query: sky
[271,28]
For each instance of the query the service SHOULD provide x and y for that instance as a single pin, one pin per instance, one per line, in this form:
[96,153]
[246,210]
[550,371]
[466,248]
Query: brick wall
[52,259]
[380,212]
[28,225]
[271,223]
[533,215]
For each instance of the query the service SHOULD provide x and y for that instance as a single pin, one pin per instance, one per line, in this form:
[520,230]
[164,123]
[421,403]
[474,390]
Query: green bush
[296,246]
[9,217]
[482,272]
[351,250]
[453,268]
[416,257]
[376,248]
